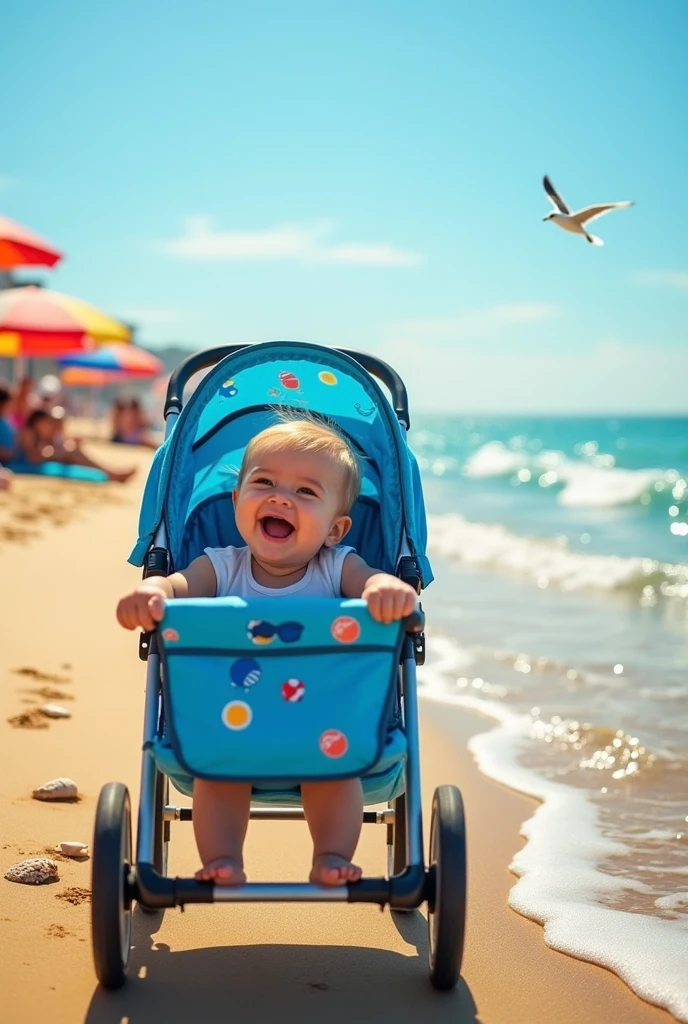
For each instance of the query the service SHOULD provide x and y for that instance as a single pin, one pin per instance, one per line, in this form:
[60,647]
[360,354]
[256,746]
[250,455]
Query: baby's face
[289,506]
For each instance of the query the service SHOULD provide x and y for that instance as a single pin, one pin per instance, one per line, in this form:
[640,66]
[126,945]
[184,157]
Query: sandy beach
[63,563]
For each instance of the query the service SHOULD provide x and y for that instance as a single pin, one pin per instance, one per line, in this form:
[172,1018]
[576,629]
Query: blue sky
[369,174]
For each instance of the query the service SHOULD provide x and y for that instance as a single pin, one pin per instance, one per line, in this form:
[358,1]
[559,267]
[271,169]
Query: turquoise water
[560,610]
[607,485]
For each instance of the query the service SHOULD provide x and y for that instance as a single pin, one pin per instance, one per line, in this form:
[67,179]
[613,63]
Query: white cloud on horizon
[613,377]
[471,325]
[301,242]
[677,279]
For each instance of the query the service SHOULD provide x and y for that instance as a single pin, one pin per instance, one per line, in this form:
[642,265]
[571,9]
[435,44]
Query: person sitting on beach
[130,424]
[8,435]
[41,439]
[296,485]
[141,425]
[24,402]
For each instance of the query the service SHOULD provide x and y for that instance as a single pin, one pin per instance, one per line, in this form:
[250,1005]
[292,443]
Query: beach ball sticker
[236,715]
[244,673]
[333,743]
[289,381]
[228,389]
[171,635]
[327,377]
[345,630]
[293,691]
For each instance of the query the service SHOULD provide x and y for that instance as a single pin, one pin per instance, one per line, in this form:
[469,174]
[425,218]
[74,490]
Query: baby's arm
[388,597]
[144,607]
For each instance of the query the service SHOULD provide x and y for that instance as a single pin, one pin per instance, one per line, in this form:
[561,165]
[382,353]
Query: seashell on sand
[56,789]
[54,711]
[34,871]
[72,849]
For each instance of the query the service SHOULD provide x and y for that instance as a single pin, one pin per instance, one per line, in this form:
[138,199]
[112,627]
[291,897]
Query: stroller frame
[119,878]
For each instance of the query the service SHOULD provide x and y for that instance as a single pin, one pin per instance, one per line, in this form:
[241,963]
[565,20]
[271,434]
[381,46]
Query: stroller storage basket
[254,693]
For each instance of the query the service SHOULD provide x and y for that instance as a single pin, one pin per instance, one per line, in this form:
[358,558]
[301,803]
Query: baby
[297,483]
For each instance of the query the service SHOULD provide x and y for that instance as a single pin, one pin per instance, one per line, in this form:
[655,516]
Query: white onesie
[232,567]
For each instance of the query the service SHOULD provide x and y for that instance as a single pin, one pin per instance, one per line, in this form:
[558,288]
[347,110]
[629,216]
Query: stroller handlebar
[415,622]
[209,357]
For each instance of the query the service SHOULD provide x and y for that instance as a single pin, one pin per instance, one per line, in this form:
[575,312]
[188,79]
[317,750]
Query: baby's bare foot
[223,871]
[332,869]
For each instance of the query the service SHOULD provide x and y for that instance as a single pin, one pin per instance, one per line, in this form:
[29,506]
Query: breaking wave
[552,561]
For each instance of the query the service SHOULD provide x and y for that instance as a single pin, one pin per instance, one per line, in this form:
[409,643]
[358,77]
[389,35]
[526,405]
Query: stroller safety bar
[405,891]
[383,817]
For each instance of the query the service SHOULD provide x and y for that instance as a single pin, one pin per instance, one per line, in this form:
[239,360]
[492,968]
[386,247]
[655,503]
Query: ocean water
[560,611]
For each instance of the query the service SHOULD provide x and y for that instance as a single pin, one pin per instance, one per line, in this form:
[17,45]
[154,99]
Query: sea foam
[552,561]
[559,883]
[594,483]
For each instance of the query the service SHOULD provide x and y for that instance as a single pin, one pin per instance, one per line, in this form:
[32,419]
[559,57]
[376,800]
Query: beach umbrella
[38,322]
[20,247]
[109,364]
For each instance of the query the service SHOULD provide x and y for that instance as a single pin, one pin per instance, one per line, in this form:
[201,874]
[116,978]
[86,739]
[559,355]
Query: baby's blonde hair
[302,432]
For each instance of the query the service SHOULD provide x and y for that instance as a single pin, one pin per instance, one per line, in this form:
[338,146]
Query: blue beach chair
[276,691]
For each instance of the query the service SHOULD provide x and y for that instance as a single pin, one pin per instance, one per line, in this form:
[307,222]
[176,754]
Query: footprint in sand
[74,895]
[32,719]
[58,931]
[48,693]
[44,677]
[17,535]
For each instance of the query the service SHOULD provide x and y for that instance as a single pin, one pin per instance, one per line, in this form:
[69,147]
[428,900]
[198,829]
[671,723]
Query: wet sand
[58,589]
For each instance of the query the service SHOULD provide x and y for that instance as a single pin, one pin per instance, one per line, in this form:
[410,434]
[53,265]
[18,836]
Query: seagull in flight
[575,220]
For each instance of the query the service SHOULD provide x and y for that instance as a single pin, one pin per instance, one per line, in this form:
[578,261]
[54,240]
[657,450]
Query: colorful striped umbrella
[38,322]
[109,364]
[20,247]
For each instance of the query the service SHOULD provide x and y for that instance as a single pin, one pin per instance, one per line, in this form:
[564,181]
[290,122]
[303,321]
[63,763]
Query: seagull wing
[589,213]
[554,196]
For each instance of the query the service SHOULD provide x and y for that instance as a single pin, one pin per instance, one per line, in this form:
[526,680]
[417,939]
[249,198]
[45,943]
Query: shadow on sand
[279,983]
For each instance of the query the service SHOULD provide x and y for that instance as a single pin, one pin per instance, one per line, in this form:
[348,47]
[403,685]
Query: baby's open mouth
[276,528]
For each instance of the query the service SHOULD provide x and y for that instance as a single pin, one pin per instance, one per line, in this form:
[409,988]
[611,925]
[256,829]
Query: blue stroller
[225,684]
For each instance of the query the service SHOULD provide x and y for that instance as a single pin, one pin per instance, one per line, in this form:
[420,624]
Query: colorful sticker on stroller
[345,629]
[170,634]
[245,673]
[228,390]
[293,690]
[289,381]
[290,390]
[333,743]
[262,632]
[326,377]
[236,715]
[363,412]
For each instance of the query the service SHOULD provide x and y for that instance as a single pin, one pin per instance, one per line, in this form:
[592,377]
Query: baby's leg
[220,818]
[334,812]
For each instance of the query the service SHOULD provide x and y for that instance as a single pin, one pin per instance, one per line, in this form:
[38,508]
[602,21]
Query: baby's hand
[389,598]
[144,607]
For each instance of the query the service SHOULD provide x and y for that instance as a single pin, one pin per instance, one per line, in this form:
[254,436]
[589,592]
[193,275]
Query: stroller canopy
[190,484]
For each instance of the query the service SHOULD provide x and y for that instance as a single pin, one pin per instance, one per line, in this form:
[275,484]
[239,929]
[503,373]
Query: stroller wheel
[111,896]
[447,887]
